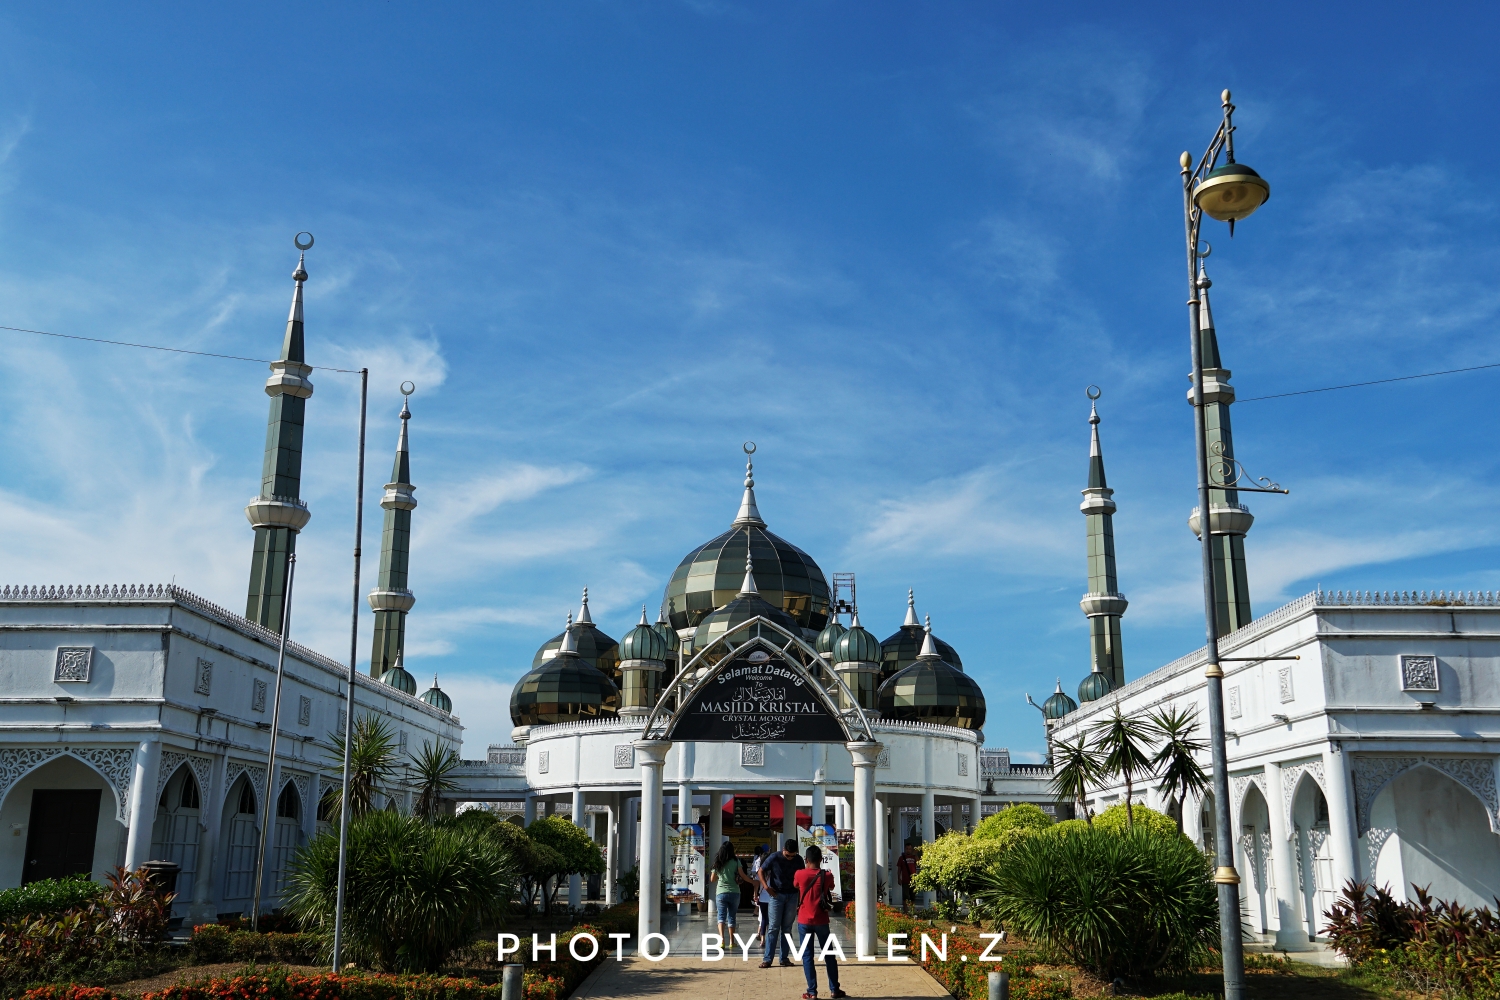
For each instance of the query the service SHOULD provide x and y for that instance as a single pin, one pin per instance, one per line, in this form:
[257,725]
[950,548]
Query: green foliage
[570,851]
[1022,815]
[1119,904]
[432,769]
[1075,766]
[217,943]
[955,861]
[1124,744]
[1069,826]
[1426,944]
[1176,760]
[534,863]
[414,891]
[48,897]
[1117,820]
[372,762]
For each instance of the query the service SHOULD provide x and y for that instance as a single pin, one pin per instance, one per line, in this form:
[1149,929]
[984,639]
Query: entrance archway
[1254,849]
[1441,840]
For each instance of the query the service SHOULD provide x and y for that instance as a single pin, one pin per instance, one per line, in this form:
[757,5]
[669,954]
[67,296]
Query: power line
[174,350]
[1379,381]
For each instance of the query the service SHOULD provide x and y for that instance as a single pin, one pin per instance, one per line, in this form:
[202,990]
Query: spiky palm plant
[431,769]
[372,761]
[1125,745]
[1075,766]
[1176,760]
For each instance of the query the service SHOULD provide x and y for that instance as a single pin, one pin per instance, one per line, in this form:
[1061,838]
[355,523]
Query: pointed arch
[116,765]
[1372,775]
[795,652]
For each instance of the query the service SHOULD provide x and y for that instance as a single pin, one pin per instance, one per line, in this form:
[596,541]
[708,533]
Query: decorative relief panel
[963,765]
[258,696]
[1371,774]
[1284,684]
[1235,709]
[884,759]
[509,758]
[73,664]
[171,760]
[1291,774]
[116,764]
[203,676]
[401,742]
[1419,673]
[1239,783]
[624,755]
[752,755]
[543,761]
[256,774]
[304,711]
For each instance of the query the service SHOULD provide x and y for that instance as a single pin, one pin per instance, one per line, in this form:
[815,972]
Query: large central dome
[709,576]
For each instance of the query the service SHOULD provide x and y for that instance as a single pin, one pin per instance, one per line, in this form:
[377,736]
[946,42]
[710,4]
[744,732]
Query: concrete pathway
[684,973]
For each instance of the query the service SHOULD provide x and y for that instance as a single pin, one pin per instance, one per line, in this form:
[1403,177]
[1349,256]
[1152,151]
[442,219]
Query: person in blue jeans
[777,874]
[726,876]
[814,903]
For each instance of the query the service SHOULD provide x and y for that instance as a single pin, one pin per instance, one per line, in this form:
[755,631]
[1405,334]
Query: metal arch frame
[653,721]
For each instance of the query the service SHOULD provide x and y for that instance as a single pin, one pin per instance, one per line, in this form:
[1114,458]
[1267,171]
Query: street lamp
[1227,192]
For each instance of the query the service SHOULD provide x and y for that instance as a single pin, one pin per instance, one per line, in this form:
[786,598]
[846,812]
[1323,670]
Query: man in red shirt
[814,901]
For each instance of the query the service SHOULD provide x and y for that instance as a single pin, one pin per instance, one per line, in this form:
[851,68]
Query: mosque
[137,720]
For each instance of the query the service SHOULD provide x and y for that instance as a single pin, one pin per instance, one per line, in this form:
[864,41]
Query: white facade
[159,703]
[1374,755]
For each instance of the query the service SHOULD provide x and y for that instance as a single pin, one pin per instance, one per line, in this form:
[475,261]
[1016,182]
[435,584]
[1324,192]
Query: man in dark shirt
[778,874]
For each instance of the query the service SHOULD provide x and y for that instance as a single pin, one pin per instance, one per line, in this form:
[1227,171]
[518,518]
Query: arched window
[247,799]
[288,805]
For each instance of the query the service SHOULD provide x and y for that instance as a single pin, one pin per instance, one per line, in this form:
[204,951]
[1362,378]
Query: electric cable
[174,350]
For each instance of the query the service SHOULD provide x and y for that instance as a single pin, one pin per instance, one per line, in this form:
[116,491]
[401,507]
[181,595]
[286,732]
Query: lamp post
[1227,192]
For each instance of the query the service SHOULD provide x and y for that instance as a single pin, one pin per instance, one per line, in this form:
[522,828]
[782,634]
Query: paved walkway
[683,973]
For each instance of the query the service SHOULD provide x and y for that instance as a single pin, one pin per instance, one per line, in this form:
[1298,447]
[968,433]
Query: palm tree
[1074,767]
[372,761]
[1125,744]
[431,768]
[1176,761]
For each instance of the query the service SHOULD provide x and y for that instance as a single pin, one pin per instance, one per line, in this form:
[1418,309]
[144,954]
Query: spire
[911,609]
[749,515]
[392,597]
[1103,604]
[584,618]
[643,617]
[854,619]
[929,648]
[569,645]
[747,588]
[1206,320]
[277,512]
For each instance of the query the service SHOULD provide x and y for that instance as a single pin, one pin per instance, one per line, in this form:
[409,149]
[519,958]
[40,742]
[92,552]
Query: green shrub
[218,943]
[49,897]
[413,894]
[1118,904]
[955,861]
[1022,815]
[70,991]
[1117,819]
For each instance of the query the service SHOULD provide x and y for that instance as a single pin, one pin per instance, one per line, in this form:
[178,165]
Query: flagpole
[267,806]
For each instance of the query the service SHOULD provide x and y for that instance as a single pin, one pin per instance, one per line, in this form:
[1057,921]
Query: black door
[61,839]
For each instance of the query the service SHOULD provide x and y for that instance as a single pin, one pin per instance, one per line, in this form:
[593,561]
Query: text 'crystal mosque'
[135,721]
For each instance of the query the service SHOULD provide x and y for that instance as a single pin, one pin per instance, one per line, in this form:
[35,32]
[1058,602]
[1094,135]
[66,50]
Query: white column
[788,819]
[528,812]
[210,811]
[653,754]
[882,844]
[1341,831]
[612,849]
[575,881]
[1290,932]
[976,812]
[715,824]
[865,756]
[142,803]
[819,804]
[929,834]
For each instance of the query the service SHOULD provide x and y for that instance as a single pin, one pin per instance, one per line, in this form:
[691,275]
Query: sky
[609,242]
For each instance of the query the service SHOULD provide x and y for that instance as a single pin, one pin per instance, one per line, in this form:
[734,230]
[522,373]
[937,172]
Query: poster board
[827,839]
[688,866]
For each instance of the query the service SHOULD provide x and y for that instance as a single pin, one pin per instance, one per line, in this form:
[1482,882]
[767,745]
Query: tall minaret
[1230,519]
[1103,604]
[392,599]
[277,514]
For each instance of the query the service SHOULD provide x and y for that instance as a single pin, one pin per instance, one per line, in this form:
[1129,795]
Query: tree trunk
[1129,809]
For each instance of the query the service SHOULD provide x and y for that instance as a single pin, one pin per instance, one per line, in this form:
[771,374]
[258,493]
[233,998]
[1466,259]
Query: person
[906,867]
[814,902]
[777,874]
[762,897]
[728,873]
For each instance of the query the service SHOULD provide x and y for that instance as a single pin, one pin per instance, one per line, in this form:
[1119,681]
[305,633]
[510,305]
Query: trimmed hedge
[218,943]
[49,897]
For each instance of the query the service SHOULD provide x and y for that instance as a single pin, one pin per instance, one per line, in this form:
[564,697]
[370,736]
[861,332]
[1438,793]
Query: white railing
[1408,598]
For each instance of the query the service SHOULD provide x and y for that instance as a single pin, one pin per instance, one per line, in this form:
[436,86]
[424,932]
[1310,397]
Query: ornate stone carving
[304,785]
[73,664]
[171,760]
[624,755]
[543,761]
[884,759]
[513,757]
[304,711]
[752,755]
[257,696]
[203,677]
[255,772]
[1375,839]
[1284,684]
[1239,783]
[1419,673]
[1235,710]
[963,765]
[1372,773]
[1291,774]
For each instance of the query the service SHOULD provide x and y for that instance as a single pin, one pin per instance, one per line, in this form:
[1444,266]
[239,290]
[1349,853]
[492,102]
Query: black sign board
[758,698]
[752,812]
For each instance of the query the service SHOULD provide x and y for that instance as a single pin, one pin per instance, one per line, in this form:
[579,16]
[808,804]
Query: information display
[689,866]
[757,698]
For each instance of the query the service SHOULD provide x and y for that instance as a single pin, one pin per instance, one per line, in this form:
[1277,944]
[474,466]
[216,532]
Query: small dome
[398,678]
[594,647]
[1094,687]
[931,690]
[857,646]
[565,688]
[901,650]
[734,614]
[829,637]
[437,698]
[1059,704]
[643,643]
[664,629]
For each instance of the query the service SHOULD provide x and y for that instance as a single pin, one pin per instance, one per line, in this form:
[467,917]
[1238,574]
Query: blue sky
[891,243]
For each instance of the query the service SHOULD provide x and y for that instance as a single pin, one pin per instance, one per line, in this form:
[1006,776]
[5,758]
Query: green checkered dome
[931,690]
[565,688]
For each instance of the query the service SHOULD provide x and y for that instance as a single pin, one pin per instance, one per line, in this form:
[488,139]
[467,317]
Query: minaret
[278,513]
[1230,519]
[392,599]
[1103,604]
